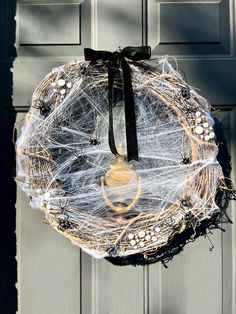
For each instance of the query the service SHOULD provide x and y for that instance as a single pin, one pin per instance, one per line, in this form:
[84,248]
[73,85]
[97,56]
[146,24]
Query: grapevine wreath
[120,153]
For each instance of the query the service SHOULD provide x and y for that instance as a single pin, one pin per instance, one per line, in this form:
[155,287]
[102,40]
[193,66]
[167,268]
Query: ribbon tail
[130,120]
[111,139]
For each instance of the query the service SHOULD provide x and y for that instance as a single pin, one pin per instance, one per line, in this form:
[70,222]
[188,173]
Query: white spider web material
[61,170]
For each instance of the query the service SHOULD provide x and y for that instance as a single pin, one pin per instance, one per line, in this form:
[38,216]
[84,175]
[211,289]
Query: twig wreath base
[66,167]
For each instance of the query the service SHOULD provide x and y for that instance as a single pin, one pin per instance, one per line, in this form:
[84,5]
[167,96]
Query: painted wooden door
[54,277]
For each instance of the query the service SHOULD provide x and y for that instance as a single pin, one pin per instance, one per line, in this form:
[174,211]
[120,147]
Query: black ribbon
[115,60]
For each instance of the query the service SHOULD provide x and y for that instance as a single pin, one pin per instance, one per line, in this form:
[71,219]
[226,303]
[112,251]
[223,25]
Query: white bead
[207,138]
[69,84]
[154,238]
[157,229]
[132,242]
[201,136]
[206,125]
[211,135]
[198,114]
[147,237]
[141,234]
[63,91]
[47,195]
[53,84]
[198,120]
[61,82]
[152,233]
[130,236]
[141,244]
[152,227]
[199,130]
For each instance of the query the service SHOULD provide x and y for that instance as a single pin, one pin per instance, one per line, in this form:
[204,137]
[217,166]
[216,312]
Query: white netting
[63,154]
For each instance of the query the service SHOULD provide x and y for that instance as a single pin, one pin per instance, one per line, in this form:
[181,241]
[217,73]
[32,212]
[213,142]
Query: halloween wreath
[120,154]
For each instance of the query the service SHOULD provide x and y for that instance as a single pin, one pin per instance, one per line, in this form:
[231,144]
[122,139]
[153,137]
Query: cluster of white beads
[202,128]
[61,86]
[143,237]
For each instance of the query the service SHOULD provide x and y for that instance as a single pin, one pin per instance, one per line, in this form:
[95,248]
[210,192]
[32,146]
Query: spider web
[62,155]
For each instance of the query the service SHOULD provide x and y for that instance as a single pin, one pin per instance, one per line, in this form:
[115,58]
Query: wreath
[120,153]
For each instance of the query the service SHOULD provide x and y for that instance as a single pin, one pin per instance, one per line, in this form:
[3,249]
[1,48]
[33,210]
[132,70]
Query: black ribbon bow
[117,59]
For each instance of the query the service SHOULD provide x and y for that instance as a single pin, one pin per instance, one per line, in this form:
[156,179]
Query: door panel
[53,28]
[48,268]
[189,27]
[191,281]
[110,289]
[53,275]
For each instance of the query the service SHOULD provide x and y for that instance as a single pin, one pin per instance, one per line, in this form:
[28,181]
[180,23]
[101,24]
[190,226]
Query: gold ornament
[120,174]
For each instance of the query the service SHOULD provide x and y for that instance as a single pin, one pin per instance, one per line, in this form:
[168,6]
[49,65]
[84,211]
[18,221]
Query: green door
[54,277]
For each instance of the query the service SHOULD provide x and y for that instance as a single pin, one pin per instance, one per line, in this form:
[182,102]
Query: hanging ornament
[120,153]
